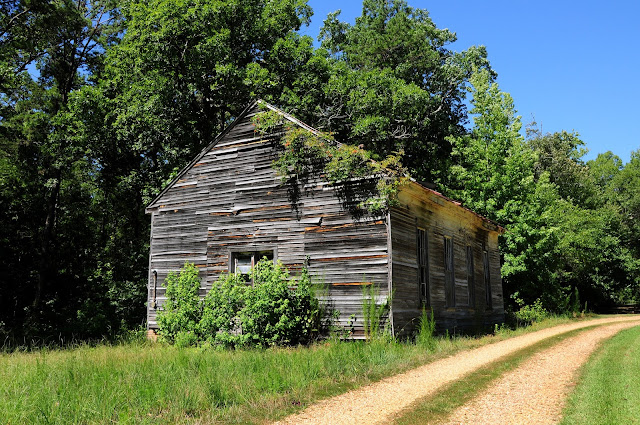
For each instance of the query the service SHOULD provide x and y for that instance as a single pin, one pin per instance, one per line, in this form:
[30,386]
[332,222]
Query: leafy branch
[363,184]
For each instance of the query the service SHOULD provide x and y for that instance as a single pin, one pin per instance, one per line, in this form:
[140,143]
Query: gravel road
[535,392]
[379,402]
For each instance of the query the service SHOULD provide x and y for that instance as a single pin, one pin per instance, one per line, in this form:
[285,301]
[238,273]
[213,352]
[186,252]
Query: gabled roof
[296,121]
[224,132]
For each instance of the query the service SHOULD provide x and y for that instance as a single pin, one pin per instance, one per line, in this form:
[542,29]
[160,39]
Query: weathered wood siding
[231,199]
[421,208]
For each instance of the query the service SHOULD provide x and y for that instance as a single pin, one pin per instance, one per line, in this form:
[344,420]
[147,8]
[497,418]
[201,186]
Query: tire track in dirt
[379,402]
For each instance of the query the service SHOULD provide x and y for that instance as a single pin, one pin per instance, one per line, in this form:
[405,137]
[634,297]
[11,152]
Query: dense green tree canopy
[565,222]
[396,85]
[50,51]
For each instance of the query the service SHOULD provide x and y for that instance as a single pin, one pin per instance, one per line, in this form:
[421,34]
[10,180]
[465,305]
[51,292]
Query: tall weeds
[375,314]
[426,330]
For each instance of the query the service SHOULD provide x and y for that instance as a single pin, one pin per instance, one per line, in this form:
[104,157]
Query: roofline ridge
[202,153]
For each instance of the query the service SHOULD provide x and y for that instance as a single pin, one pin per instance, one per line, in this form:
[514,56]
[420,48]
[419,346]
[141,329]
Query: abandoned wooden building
[229,207]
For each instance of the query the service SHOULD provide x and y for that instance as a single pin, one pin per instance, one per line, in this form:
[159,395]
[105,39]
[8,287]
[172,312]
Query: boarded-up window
[471,280]
[487,279]
[423,265]
[449,278]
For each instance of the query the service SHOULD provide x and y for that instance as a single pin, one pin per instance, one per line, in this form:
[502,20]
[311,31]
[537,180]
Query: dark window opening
[242,262]
[449,278]
[422,254]
[471,280]
[487,279]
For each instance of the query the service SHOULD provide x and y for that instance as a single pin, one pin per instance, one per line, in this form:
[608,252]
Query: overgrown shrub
[528,314]
[185,339]
[219,322]
[274,313]
[234,313]
[182,310]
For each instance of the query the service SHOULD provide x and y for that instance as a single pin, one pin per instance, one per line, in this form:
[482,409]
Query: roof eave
[501,230]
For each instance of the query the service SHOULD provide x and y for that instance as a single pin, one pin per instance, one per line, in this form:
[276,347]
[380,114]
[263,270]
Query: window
[487,279]
[243,261]
[422,255]
[471,280]
[449,278]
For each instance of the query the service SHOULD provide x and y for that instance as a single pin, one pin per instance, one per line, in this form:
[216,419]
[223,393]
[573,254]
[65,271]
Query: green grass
[608,391]
[155,383]
[436,408]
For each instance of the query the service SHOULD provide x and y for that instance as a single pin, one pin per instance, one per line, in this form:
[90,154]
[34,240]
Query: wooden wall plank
[420,208]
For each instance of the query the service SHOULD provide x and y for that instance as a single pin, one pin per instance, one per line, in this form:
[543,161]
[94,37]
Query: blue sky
[574,65]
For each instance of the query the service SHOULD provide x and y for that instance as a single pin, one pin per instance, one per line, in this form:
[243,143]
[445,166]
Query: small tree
[276,314]
[220,308]
[182,311]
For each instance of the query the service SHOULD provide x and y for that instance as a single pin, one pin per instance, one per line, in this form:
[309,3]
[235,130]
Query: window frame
[471,277]
[487,279]
[256,255]
[422,261]
[449,272]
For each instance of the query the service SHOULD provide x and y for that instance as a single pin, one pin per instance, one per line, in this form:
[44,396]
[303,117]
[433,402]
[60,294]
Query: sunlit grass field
[144,382]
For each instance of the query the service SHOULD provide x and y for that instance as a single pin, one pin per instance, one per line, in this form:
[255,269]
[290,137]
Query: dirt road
[535,393]
[379,402]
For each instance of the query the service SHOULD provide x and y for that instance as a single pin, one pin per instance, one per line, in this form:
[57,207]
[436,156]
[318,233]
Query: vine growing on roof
[364,185]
